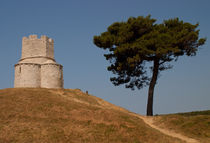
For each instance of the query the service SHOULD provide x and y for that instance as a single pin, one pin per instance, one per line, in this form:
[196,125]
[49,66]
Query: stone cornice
[36,57]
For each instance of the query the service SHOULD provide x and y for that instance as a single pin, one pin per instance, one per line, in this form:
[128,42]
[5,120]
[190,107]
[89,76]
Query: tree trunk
[151,88]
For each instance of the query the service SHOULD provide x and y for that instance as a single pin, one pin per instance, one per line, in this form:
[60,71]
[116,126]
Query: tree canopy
[133,43]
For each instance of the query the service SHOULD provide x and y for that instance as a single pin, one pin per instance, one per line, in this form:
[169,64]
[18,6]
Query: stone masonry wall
[34,47]
[51,76]
[27,75]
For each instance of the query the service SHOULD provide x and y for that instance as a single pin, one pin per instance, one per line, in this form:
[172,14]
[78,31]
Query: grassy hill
[49,115]
[193,124]
[67,115]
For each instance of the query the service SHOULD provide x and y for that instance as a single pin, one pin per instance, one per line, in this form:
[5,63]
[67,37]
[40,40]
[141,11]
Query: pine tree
[138,41]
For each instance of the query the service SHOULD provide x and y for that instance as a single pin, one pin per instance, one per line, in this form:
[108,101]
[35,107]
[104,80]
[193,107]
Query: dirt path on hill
[149,121]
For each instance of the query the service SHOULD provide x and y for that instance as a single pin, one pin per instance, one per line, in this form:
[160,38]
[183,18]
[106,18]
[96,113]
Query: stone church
[37,66]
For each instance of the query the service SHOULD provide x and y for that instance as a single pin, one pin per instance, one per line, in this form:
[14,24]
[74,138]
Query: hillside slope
[66,115]
[193,124]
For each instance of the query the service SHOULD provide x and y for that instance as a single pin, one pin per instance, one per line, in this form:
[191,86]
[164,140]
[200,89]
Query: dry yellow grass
[193,124]
[67,115]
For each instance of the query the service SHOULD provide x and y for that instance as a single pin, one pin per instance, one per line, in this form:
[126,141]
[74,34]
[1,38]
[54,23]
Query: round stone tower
[37,66]
[52,75]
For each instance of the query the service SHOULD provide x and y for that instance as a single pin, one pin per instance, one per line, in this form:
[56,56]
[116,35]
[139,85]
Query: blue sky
[73,23]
